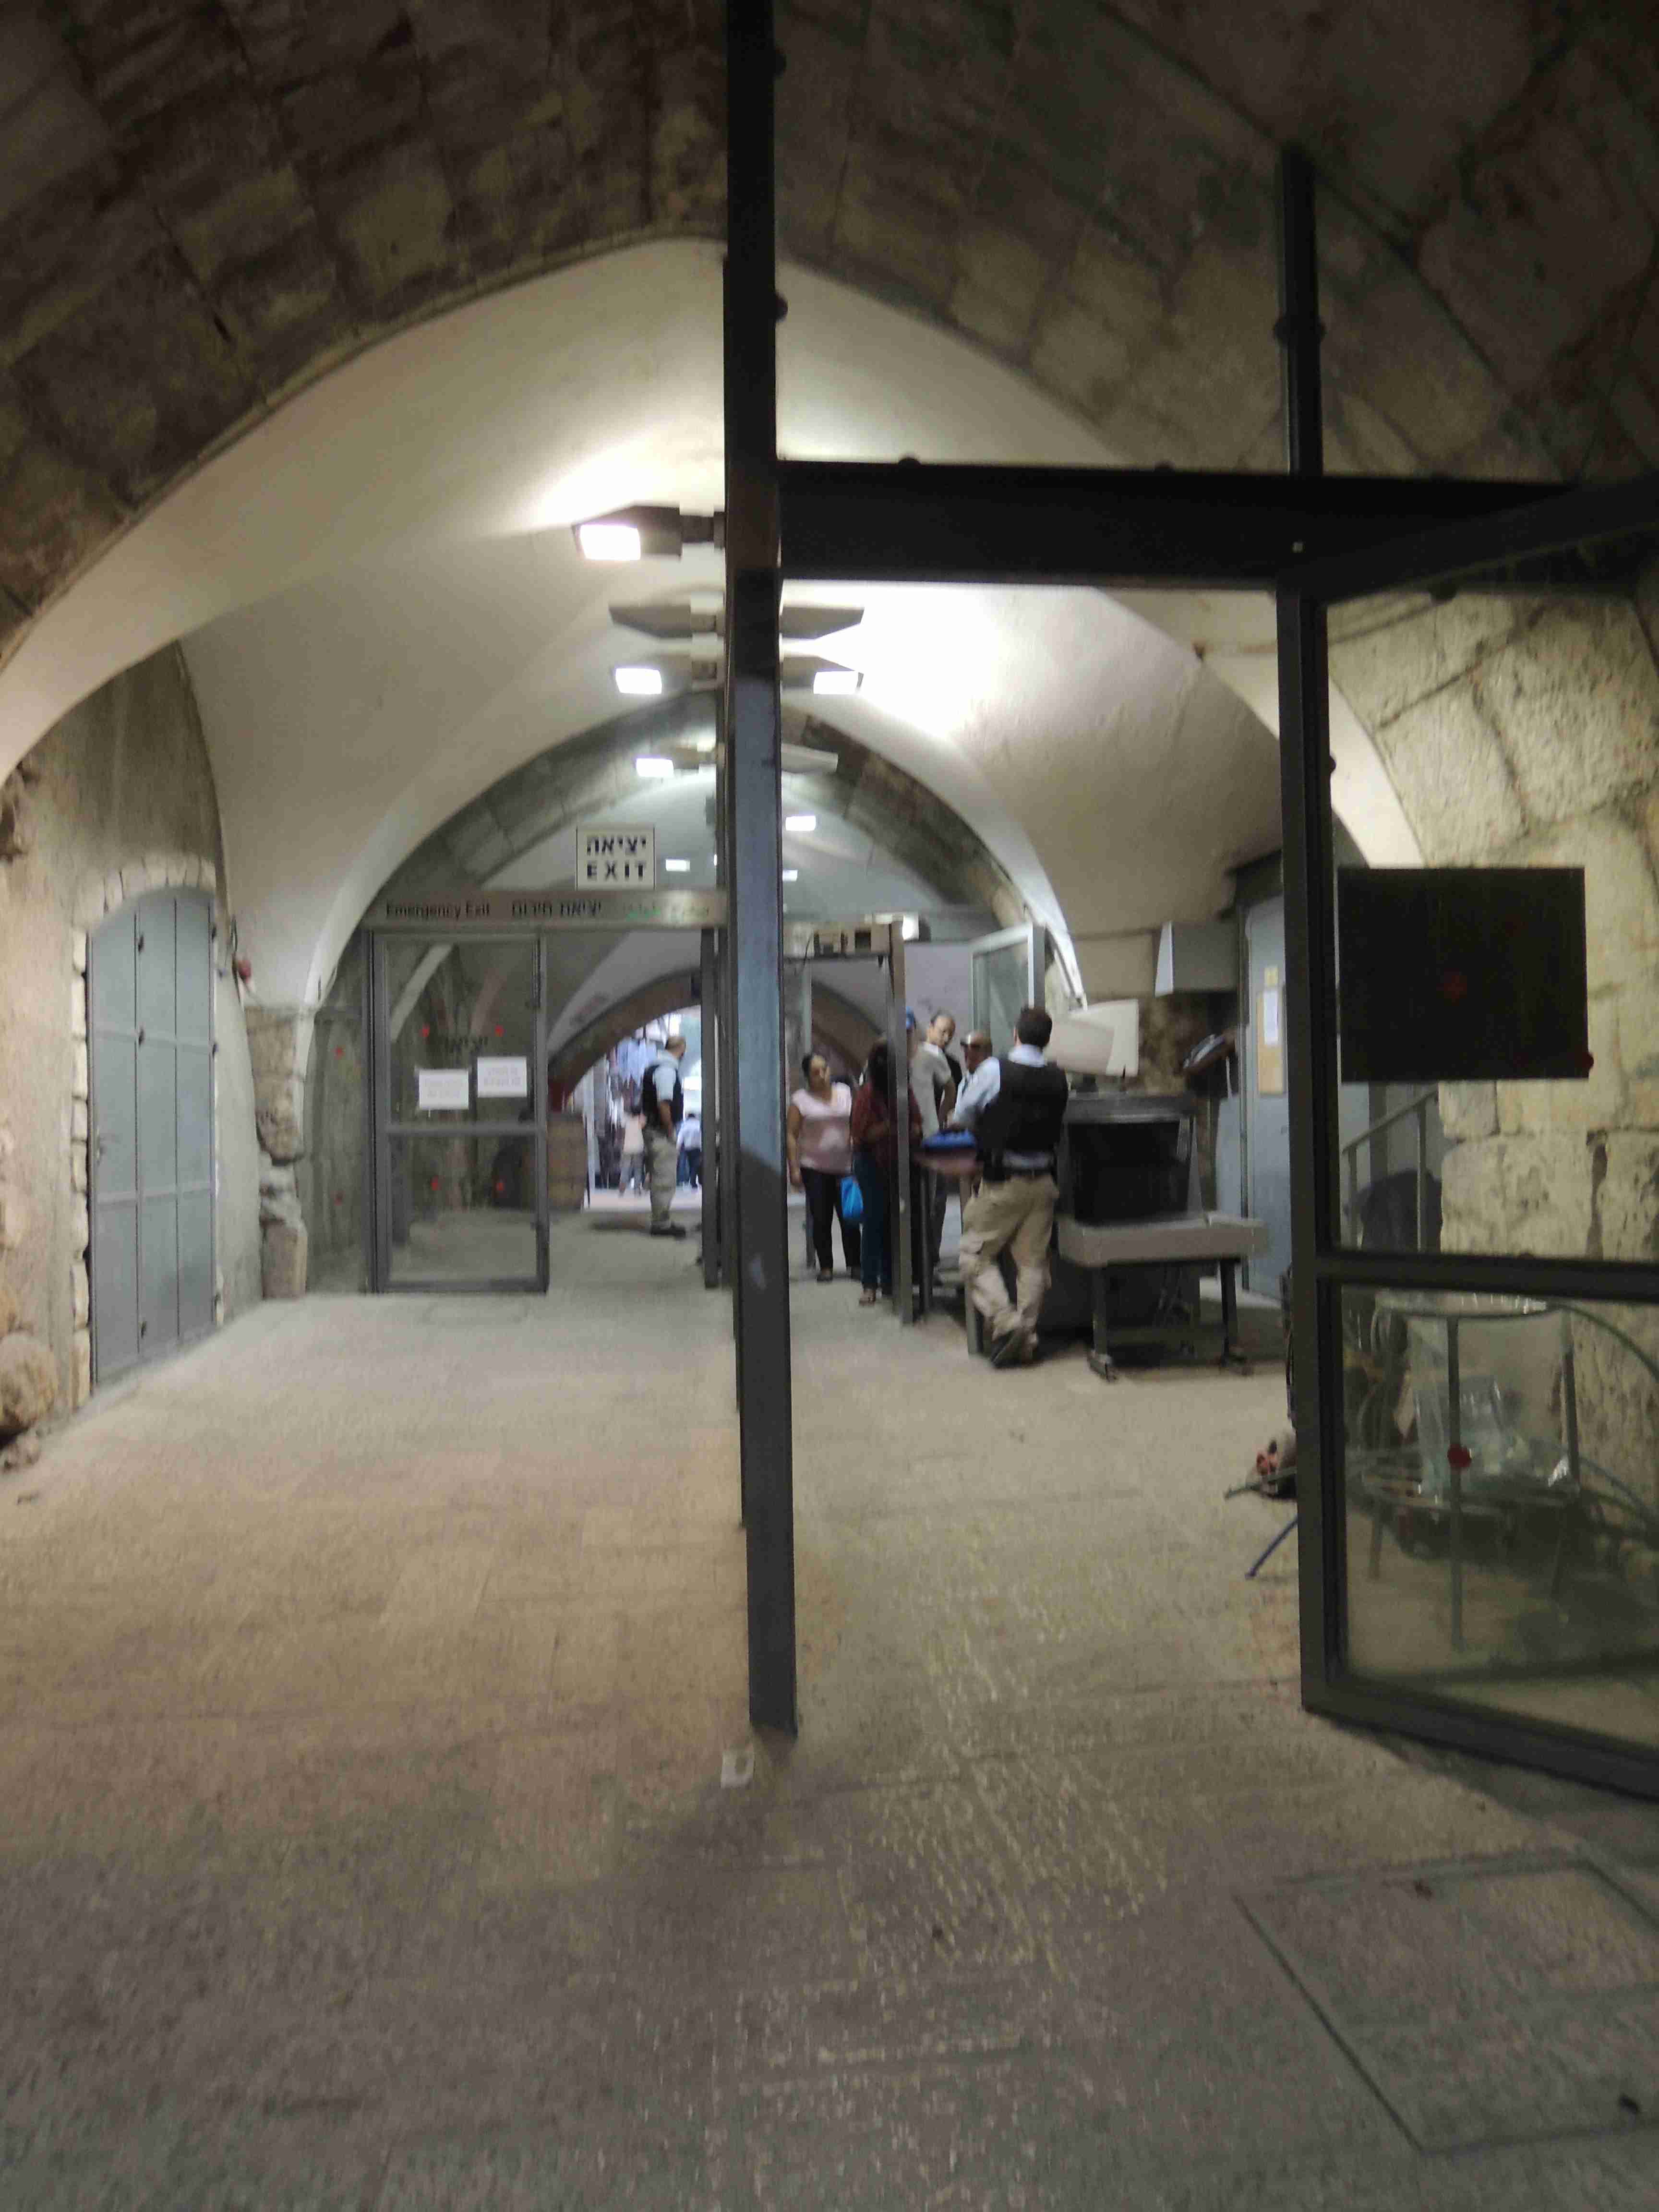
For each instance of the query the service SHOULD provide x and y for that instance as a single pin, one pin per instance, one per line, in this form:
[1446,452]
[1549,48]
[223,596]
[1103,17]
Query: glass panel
[462,1208]
[1501,1482]
[452,1008]
[1001,985]
[1497,785]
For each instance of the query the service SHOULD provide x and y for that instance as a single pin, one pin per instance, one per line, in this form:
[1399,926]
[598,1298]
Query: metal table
[1162,1240]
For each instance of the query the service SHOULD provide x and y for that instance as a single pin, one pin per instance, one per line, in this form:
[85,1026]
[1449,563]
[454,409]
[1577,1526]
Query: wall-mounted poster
[1270,1036]
[503,1079]
[443,1090]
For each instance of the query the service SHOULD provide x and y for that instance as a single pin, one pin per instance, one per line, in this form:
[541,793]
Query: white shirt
[928,1071]
[691,1132]
[983,1086]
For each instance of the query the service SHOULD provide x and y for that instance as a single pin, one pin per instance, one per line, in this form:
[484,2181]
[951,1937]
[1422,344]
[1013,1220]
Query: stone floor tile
[627,2166]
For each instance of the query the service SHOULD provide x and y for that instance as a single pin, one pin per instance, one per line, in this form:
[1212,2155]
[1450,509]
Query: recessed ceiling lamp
[653,764]
[640,681]
[800,825]
[792,875]
[677,867]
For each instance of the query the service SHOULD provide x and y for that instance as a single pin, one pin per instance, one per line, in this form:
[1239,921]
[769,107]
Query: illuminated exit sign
[616,860]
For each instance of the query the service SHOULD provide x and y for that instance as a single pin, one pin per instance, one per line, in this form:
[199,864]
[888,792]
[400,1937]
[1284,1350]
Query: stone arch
[664,994]
[224,203]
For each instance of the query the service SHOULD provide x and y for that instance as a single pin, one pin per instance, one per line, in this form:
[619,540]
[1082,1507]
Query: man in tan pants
[1015,1107]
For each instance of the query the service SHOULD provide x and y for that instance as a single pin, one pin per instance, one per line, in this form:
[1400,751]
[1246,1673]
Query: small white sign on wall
[443,1090]
[616,860]
[503,1079]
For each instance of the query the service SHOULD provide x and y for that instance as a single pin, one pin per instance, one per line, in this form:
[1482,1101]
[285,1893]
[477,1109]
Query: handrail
[1412,1106]
[1414,1109]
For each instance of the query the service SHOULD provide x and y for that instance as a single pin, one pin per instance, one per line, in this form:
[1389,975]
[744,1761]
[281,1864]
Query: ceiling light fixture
[677,867]
[806,671]
[609,541]
[800,825]
[640,681]
[792,875]
[646,533]
[652,765]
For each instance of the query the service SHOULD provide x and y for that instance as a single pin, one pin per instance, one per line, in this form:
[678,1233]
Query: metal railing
[1415,1110]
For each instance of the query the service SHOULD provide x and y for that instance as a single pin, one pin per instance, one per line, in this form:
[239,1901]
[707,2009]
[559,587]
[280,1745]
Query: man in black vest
[662,1100]
[1015,1107]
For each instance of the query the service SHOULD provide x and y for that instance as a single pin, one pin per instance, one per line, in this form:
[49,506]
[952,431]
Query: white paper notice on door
[444,1090]
[503,1079]
[1270,1018]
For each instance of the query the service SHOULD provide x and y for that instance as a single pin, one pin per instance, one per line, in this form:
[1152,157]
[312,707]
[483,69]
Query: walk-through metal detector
[881,944]
[465,1111]
[1308,540]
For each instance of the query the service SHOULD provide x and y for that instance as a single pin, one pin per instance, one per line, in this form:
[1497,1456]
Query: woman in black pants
[820,1156]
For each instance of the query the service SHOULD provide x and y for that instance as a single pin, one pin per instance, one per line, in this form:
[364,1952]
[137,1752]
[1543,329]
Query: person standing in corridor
[1015,1107]
[662,1096]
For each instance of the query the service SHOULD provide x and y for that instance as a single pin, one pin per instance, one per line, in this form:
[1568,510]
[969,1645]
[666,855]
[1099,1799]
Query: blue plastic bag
[852,1198]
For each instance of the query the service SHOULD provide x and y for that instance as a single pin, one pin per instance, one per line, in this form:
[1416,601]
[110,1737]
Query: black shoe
[670,1229]
[1005,1349]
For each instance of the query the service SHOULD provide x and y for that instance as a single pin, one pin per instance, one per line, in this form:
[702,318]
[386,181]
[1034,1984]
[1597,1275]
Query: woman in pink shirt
[820,1156]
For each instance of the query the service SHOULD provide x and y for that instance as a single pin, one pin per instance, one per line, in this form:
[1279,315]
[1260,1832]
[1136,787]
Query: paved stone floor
[365,1678]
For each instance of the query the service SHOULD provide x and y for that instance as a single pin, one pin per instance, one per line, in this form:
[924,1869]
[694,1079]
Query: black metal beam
[754,740]
[1586,539]
[1128,529]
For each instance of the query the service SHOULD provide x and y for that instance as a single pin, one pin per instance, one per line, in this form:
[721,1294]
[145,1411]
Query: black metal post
[1299,329]
[1310,993]
[898,1056]
[754,733]
[713,1045]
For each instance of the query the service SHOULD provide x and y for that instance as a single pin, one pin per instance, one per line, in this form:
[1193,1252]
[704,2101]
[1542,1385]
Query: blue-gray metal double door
[149,1022]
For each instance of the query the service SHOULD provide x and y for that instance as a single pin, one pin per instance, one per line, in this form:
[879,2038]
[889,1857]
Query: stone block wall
[116,800]
[279,1041]
[1527,733]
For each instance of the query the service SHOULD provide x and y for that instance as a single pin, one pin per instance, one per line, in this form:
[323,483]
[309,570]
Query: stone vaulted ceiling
[206,204]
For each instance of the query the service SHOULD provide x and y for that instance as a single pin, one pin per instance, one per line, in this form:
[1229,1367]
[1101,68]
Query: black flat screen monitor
[1462,975]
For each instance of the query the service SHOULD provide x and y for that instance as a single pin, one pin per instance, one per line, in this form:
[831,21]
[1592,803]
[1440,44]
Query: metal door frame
[1113,529]
[886,944]
[179,896]
[1322,1266]
[1035,936]
[382,1130]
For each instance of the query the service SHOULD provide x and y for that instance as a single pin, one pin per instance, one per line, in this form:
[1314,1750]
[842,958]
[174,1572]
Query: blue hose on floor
[1250,1573]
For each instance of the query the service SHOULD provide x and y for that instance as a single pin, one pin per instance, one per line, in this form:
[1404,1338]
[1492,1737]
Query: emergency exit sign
[616,860]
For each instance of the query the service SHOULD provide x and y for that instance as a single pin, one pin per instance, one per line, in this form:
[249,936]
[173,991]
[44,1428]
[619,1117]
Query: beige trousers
[662,1167]
[1017,1215]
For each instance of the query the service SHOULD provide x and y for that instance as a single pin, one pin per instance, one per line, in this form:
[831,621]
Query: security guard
[662,1100]
[1015,1107]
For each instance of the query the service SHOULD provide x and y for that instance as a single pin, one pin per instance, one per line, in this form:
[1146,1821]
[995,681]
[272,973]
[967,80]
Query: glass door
[1008,973]
[1477,1279]
[460,1114]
